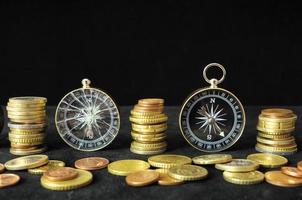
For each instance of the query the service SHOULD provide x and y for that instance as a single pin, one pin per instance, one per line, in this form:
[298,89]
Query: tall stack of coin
[27,124]
[149,124]
[275,128]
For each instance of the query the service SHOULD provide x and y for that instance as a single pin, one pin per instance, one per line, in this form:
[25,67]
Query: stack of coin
[241,172]
[149,124]
[27,124]
[65,178]
[275,128]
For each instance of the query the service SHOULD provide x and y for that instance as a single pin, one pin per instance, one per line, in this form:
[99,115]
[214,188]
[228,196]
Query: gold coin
[150,140]
[288,152]
[275,131]
[29,141]
[126,167]
[283,119]
[287,148]
[147,136]
[29,121]
[165,179]
[148,121]
[276,112]
[149,129]
[84,178]
[238,165]
[279,179]
[142,178]
[26,109]
[28,136]
[151,101]
[51,164]
[25,106]
[60,174]
[168,160]
[157,116]
[25,152]
[27,113]
[28,117]
[28,99]
[147,152]
[2,168]
[26,132]
[139,108]
[243,178]
[275,142]
[149,146]
[275,137]
[212,159]
[143,114]
[26,162]
[187,172]
[299,165]
[268,160]
[7,180]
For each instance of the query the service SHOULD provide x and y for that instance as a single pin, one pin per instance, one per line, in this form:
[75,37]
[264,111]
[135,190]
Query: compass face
[212,120]
[87,119]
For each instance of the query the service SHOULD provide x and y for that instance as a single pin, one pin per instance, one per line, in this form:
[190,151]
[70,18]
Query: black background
[135,49]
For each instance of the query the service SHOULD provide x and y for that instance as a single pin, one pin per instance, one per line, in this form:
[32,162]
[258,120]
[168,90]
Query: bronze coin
[279,179]
[165,179]
[148,109]
[60,174]
[292,171]
[2,168]
[151,101]
[8,180]
[91,163]
[142,178]
[299,165]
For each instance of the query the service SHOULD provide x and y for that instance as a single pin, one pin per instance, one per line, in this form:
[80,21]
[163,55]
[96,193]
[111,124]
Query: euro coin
[147,152]
[287,148]
[146,129]
[151,146]
[25,152]
[60,174]
[279,179]
[187,172]
[293,117]
[284,153]
[212,159]
[139,108]
[275,137]
[268,160]
[84,178]
[238,165]
[275,131]
[7,180]
[292,171]
[2,168]
[299,165]
[144,114]
[243,178]
[25,109]
[157,116]
[26,126]
[148,121]
[142,178]
[28,99]
[151,101]
[276,112]
[27,113]
[168,160]
[51,164]
[26,162]
[126,167]
[147,136]
[275,142]
[91,163]
[26,132]
[165,179]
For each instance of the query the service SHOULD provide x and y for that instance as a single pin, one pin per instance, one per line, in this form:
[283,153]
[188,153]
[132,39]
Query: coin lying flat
[268,160]
[2,168]
[279,179]
[91,163]
[26,162]
[51,164]
[165,179]
[84,178]
[292,171]
[151,101]
[126,167]
[212,159]
[142,178]
[243,178]
[238,165]
[276,112]
[60,174]
[299,165]
[168,160]
[28,99]
[187,172]
[7,180]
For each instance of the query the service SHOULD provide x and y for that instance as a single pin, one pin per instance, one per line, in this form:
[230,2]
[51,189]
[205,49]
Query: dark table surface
[107,186]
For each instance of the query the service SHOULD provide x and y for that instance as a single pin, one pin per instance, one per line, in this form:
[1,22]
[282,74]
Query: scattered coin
[292,171]
[60,174]
[2,168]
[212,159]
[243,178]
[168,160]
[91,163]
[126,167]
[165,179]
[7,180]
[279,179]
[142,178]
[268,160]
[187,172]
[51,164]
[84,178]
[238,165]
[26,162]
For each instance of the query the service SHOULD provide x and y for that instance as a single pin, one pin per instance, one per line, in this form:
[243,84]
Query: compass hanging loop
[86,83]
[214,82]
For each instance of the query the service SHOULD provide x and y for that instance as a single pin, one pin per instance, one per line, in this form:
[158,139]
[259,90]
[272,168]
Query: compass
[212,119]
[87,118]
